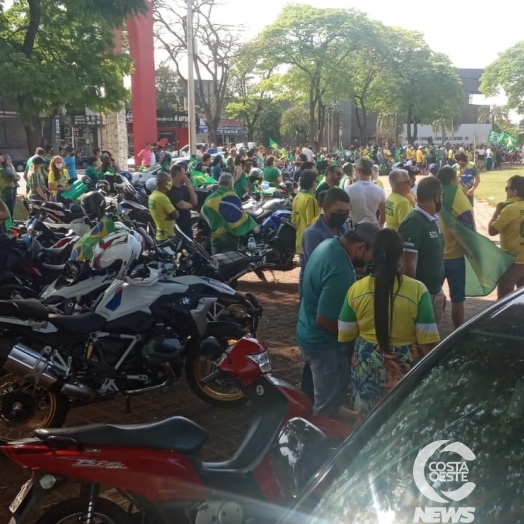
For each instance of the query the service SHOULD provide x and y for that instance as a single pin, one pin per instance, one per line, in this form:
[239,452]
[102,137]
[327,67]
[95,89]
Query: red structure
[143,90]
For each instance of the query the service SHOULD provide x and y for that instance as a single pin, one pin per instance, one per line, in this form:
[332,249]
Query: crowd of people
[372,266]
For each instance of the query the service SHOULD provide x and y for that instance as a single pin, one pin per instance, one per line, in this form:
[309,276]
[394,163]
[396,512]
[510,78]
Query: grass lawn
[492,184]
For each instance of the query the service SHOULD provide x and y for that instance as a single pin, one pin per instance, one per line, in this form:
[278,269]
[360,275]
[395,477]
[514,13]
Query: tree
[440,126]
[494,115]
[249,86]
[295,124]
[169,88]
[215,46]
[419,84]
[506,74]
[315,42]
[60,53]
[268,123]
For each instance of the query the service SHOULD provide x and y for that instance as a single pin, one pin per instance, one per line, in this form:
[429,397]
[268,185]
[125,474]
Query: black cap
[366,231]
[38,160]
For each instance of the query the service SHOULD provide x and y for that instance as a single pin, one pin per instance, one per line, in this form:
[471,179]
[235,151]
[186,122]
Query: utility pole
[191,113]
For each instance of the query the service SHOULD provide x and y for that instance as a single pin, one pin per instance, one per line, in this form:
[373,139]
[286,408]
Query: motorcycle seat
[83,323]
[59,206]
[175,433]
[30,308]
[55,254]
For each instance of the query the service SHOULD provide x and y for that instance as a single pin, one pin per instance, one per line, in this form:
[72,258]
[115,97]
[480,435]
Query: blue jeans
[331,376]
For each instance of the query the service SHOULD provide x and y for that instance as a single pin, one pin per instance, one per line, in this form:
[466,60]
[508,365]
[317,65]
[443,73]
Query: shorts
[455,270]
[420,165]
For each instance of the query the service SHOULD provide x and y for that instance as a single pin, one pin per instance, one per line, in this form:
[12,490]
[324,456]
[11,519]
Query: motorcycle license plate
[22,494]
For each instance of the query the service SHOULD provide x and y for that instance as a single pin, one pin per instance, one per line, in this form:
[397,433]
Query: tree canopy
[506,74]
[60,53]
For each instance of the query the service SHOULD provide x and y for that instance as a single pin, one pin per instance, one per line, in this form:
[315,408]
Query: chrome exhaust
[25,362]
[30,365]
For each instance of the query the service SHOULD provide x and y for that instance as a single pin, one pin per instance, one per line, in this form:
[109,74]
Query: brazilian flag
[274,145]
[83,248]
[485,262]
[223,211]
[201,179]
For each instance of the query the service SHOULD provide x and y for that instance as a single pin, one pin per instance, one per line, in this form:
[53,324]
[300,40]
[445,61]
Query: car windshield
[475,396]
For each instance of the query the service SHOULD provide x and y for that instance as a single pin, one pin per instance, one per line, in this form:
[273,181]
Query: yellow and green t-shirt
[413,320]
[397,208]
[305,210]
[160,207]
[420,156]
[510,225]
[457,203]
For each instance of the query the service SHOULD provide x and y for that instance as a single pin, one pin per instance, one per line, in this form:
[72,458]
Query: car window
[473,396]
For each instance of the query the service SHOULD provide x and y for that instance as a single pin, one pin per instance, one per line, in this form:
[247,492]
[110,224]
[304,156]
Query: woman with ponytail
[391,320]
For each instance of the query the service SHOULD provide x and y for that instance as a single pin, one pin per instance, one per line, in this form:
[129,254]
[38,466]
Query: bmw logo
[185,301]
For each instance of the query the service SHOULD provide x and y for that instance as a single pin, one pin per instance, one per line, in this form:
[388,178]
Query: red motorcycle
[155,466]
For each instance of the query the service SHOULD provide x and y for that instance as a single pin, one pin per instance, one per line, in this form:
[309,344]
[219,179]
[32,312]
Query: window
[474,395]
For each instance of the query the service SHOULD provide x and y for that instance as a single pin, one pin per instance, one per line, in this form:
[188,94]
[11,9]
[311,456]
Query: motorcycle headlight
[262,360]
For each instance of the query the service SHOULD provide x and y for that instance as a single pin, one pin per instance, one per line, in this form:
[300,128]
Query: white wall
[466,133]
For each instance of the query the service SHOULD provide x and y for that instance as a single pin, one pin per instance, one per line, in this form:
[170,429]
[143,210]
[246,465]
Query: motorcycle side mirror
[86,180]
[209,346]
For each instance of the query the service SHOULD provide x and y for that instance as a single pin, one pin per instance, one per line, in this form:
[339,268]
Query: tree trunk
[415,131]
[408,122]
[359,123]
[321,122]
[32,137]
[312,104]
[364,121]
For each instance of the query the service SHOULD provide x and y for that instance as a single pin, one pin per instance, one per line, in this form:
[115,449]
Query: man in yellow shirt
[420,160]
[162,210]
[508,220]
[456,203]
[397,204]
[304,212]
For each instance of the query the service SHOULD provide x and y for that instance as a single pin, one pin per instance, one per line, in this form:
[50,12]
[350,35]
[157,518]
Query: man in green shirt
[424,243]
[327,277]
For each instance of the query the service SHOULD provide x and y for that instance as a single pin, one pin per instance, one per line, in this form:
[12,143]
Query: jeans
[300,276]
[331,375]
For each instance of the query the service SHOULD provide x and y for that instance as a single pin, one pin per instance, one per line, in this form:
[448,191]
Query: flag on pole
[273,145]
[494,138]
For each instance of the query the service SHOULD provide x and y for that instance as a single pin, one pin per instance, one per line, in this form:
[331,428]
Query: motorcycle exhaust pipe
[27,363]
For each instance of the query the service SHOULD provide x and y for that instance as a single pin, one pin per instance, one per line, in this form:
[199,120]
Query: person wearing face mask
[423,257]
[329,274]
[333,222]
[162,210]
[58,177]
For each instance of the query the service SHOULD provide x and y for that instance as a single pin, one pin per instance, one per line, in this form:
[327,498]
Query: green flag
[273,145]
[507,141]
[485,262]
[494,138]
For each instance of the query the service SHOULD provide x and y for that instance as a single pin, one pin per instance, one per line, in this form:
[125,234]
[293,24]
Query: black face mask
[338,219]
[438,205]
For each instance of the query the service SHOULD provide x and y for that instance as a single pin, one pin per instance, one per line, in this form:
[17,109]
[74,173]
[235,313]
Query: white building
[465,134]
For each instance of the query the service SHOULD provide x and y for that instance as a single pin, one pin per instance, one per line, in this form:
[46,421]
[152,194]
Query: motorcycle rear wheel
[71,511]
[43,408]
[218,393]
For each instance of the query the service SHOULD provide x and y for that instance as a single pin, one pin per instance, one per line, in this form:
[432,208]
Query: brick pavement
[226,427]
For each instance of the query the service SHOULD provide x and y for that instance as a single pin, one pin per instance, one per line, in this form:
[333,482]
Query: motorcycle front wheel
[73,511]
[25,408]
[221,392]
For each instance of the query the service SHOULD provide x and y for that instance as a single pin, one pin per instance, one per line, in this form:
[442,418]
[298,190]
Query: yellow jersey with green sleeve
[413,318]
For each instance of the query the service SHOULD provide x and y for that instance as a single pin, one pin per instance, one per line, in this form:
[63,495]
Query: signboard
[225,127]
[86,120]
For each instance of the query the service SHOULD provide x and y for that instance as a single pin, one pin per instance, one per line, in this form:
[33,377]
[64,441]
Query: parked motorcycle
[155,466]
[26,267]
[135,340]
